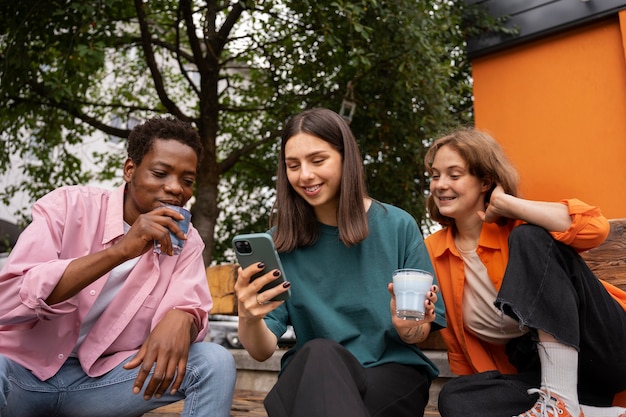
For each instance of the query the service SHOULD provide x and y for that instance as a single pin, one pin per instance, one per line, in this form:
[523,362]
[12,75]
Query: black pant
[324,379]
[547,286]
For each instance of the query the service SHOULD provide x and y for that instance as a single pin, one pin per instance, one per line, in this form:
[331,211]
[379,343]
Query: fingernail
[276,273]
[260,265]
[286,284]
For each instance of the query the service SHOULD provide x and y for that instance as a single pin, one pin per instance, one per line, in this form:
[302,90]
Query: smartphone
[259,247]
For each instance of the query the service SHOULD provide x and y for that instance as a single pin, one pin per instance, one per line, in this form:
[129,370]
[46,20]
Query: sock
[592,411]
[559,373]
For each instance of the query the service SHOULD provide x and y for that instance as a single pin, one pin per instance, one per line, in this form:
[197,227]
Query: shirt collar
[114,222]
[489,238]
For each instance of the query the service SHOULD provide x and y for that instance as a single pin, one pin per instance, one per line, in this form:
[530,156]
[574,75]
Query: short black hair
[142,137]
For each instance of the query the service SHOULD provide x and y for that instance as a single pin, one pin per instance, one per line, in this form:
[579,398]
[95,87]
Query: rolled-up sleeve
[589,227]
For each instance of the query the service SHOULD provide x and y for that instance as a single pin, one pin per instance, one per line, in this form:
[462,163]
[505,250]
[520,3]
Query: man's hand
[151,226]
[167,348]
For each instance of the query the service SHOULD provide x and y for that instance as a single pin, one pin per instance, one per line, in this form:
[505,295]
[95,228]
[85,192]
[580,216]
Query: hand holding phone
[259,247]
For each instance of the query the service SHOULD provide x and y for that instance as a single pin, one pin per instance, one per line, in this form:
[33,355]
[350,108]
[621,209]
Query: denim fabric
[207,389]
[547,286]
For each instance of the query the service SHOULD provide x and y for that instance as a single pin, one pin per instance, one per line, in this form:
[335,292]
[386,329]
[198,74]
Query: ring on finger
[258,301]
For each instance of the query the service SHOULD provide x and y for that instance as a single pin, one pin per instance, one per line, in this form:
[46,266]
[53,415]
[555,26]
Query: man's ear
[129,169]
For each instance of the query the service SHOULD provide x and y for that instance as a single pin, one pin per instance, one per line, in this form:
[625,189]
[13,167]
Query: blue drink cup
[177,244]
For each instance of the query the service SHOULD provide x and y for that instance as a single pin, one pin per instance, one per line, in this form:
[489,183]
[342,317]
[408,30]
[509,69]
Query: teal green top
[340,293]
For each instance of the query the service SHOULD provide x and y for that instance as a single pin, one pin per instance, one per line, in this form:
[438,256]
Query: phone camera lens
[243,246]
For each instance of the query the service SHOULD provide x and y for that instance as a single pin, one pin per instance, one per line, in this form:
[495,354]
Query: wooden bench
[221,279]
[607,261]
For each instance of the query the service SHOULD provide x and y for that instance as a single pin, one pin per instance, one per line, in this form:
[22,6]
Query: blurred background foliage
[71,71]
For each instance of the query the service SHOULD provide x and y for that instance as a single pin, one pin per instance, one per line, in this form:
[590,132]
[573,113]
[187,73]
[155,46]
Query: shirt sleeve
[33,268]
[589,227]
[276,320]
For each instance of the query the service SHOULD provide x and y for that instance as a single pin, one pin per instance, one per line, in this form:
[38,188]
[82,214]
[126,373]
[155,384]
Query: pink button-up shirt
[69,223]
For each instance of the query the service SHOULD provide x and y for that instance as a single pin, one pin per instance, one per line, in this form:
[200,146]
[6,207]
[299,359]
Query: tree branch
[235,155]
[73,109]
[180,56]
[154,70]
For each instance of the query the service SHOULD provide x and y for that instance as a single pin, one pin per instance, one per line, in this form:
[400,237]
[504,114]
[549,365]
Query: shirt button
[92,292]
[60,356]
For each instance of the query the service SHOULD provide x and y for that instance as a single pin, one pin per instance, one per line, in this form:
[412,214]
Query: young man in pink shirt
[93,322]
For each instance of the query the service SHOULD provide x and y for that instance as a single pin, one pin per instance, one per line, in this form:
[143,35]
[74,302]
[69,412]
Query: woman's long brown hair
[293,219]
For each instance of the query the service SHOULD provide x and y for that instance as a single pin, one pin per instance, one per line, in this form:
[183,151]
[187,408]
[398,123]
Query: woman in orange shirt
[531,331]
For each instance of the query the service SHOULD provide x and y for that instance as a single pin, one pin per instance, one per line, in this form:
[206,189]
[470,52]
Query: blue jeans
[207,389]
[547,286]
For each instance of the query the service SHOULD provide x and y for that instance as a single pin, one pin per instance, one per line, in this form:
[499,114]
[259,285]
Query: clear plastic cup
[410,287]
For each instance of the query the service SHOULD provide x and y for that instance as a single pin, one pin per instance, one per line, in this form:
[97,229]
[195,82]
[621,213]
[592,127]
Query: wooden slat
[221,279]
[608,261]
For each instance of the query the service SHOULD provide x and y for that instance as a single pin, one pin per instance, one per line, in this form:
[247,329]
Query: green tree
[71,69]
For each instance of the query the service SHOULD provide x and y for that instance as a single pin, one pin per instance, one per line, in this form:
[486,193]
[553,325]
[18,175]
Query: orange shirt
[467,354]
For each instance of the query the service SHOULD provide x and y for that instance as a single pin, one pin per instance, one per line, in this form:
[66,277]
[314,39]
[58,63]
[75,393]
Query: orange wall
[558,107]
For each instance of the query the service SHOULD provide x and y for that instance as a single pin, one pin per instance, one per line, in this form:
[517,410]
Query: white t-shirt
[115,281]
[480,315]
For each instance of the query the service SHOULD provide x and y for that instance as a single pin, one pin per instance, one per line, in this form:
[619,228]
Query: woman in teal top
[339,249]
